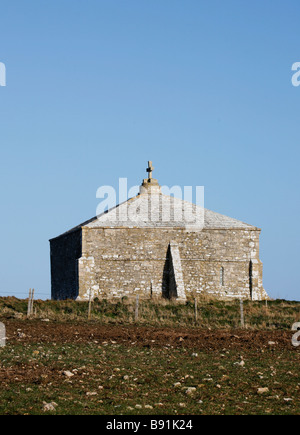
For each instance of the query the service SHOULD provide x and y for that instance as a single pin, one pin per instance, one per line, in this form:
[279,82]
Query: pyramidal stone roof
[157,210]
[152,209]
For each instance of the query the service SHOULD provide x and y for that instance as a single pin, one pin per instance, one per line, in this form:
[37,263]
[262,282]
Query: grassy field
[133,378]
[279,314]
[166,364]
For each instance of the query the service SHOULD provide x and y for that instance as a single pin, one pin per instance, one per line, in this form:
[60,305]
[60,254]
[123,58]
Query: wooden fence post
[29,304]
[90,306]
[137,308]
[242,313]
[196,311]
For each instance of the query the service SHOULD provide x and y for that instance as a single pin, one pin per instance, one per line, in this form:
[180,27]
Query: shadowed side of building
[64,254]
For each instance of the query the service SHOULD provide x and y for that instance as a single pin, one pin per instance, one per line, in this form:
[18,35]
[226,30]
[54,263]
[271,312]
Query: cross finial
[150,169]
[150,185]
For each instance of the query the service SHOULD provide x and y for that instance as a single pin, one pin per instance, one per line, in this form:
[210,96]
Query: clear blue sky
[95,88]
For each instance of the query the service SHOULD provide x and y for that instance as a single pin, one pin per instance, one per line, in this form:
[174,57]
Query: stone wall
[118,262]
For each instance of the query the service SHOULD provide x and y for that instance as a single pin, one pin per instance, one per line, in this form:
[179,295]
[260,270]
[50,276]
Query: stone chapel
[144,247]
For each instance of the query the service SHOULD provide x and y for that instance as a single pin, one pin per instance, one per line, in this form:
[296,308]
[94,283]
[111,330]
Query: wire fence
[24,295]
[196,312]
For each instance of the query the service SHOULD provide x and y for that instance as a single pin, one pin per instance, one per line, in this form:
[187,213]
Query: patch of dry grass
[213,314]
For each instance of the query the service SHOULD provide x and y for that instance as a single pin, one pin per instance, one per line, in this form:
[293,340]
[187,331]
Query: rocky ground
[88,368]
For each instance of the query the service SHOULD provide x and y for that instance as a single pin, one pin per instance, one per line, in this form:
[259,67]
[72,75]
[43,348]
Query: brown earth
[42,332]
[81,366]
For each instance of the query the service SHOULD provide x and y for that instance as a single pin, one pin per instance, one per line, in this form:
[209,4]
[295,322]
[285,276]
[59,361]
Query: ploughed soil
[91,368]
[83,332]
